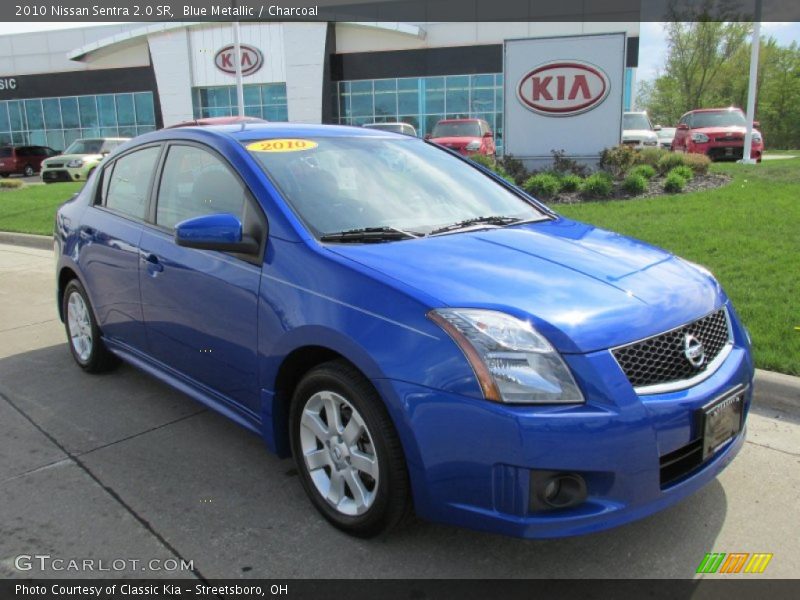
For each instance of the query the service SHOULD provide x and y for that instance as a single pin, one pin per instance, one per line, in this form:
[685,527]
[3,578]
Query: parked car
[23,160]
[665,136]
[637,131]
[465,136]
[417,332]
[205,122]
[718,133]
[403,128]
[79,159]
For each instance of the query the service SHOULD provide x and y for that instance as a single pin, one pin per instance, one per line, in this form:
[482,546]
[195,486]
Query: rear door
[200,307]
[109,244]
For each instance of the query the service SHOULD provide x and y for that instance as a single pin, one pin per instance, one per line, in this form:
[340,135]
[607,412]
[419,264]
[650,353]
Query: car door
[109,234]
[200,307]
[679,141]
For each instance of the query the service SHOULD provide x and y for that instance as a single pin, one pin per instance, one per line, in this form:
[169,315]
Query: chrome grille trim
[660,387]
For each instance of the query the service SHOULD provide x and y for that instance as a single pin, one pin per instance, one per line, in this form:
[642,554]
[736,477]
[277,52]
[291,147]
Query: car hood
[65,158]
[584,288]
[455,141]
[722,130]
[639,134]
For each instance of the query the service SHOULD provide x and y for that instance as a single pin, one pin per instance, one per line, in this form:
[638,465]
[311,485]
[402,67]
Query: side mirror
[488,134]
[682,127]
[657,128]
[221,231]
[428,136]
[756,123]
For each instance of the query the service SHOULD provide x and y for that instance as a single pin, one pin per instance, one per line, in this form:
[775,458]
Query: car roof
[722,109]
[459,120]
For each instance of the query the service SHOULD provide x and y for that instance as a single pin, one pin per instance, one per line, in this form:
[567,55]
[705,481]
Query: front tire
[28,171]
[83,334]
[347,452]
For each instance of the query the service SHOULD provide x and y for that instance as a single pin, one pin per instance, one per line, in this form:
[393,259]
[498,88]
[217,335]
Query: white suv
[637,131]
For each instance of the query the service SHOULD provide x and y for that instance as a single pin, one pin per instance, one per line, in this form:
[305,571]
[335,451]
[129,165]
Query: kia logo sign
[252,59]
[563,88]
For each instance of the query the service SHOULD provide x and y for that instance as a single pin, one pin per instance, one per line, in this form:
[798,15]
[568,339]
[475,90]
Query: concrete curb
[43,242]
[777,390]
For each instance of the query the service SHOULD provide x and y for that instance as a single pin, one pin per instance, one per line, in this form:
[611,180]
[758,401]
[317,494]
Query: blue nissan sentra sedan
[417,333]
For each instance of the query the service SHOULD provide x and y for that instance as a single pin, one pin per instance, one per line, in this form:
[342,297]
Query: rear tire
[4,175]
[347,451]
[83,334]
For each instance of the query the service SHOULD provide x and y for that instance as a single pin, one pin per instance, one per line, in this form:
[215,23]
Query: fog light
[550,490]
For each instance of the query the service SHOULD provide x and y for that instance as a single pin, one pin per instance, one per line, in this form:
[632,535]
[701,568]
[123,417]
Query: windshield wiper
[370,234]
[492,220]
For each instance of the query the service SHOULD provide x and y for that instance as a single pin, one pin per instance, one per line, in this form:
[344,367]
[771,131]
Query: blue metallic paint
[469,460]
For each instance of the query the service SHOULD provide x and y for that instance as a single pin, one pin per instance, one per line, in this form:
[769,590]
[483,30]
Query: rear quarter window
[128,182]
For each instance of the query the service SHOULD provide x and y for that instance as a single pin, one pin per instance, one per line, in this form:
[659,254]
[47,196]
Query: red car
[466,136]
[25,160]
[717,133]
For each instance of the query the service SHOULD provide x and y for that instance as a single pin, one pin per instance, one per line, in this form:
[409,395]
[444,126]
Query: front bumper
[722,151]
[470,461]
[65,174]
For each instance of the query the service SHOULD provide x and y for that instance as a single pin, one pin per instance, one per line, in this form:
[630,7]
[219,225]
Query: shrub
[617,160]
[484,160]
[644,170]
[669,161]
[514,168]
[571,182]
[564,165]
[683,171]
[597,185]
[698,163]
[11,183]
[674,183]
[542,185]
[650,156]
[635,184]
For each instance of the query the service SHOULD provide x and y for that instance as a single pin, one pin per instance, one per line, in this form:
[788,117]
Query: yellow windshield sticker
[282,145]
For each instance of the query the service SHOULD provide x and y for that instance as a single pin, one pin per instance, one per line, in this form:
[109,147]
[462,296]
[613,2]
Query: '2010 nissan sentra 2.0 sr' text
[419,334]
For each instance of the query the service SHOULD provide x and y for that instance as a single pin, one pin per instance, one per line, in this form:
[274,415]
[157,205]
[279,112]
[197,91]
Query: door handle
[153,264]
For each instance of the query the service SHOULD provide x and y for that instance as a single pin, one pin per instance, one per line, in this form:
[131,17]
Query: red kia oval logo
[563,88]
[252,59]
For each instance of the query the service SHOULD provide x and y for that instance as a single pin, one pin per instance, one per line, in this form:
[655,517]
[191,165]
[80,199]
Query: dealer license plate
[728,151]
[722,420]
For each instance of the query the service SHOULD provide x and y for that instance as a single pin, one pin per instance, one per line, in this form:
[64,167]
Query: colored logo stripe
[716,561]
[758,562]
[711,562]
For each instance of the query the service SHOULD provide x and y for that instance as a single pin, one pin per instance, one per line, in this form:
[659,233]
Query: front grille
[681,462]
[729,138]
[661,359]
[54,165]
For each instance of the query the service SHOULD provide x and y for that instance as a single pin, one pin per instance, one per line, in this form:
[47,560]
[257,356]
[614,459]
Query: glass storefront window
[57,122]
[265,101]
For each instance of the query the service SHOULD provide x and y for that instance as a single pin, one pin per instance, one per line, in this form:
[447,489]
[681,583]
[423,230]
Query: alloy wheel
[80,326]
[339,453]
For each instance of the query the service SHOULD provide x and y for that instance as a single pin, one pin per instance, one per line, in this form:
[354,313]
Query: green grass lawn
[32,209]
[747,233]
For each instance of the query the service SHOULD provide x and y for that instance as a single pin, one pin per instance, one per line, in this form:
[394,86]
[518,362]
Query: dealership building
[124,80]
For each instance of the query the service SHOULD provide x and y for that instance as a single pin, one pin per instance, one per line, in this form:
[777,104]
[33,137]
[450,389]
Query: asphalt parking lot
[120,466]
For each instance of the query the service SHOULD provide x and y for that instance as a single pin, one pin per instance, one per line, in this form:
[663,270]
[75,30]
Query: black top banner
[400,10]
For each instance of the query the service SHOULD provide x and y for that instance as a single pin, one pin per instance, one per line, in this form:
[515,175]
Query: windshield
[635,121]
[723,118]
[393,127]
[457,129]
[92,146]
[339,184]
[666,132]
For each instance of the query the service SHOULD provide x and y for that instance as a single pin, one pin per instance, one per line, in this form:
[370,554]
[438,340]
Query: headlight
[474,146]
[700,138]
[756,137]
[75,163]
[513,362]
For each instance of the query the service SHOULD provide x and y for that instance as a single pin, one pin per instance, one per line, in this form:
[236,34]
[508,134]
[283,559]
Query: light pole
[751,89]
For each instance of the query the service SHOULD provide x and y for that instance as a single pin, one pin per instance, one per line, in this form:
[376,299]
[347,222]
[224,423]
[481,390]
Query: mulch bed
[655,188]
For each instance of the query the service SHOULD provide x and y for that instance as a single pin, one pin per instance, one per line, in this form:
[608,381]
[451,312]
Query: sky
[652,40]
